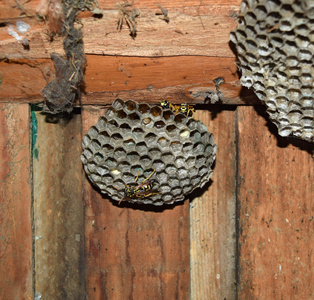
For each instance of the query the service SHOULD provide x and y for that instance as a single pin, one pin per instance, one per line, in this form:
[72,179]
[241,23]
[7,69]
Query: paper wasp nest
[275,45]
[137,138]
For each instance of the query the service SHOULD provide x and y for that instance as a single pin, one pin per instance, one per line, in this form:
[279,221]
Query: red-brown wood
[15,203]
[276,224]
[58,208]
[141,78]
[132,252]
[212,216]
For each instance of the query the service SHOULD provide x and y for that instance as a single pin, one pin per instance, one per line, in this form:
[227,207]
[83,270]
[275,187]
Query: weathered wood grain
[132,252]
[142,78]
[194,29]
[15,203]
[275,198]
[212,216]
[58,208]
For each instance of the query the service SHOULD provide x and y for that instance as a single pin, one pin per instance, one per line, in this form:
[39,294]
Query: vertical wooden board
[58,208]
[15,203]
[212,215]
[276,224]
[132,252]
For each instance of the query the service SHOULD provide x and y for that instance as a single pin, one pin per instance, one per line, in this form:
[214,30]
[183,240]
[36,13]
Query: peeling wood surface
[194,29]
[15,203]
[212,216]
[276,212]
[141,79]
[58,209]
[133,252]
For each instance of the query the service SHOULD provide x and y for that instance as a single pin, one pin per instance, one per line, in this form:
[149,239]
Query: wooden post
[275,204]
[58,208]
[15,203]
[213,229]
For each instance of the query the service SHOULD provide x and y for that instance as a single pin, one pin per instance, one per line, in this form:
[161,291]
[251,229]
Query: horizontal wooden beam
[147,79]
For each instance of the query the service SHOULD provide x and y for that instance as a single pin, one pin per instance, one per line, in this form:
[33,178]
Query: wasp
[184,108]
[187,110]
[141,190]
[165,104]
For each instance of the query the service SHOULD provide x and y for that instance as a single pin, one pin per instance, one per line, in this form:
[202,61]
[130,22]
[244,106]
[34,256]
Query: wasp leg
[120,201]
[138,173]
[151,194]
[149,176]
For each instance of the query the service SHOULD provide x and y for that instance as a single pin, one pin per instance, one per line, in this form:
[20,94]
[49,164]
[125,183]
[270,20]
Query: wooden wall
[247,235]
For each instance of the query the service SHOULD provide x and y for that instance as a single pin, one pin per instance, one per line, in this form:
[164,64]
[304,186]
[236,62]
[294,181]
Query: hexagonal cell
[138,133]
[133,157]
[167,157]
[102,170]
[187,147]
[180,162]
[143,108]
[121,114]
[163,142]
[123,166]
[141,148]
[137,169]
[99,158]
[110,113]
[158,164]
[91,166]
[159,124]
[107,148]
[130,105]
[180,119]
[134,117]
[118,104]
[155,152]
[167,114]
[176,146]
[129,144]
[119,153]
[146,121]
[88,154]
[145,160]
[150,138]
[156,111]
[111,162]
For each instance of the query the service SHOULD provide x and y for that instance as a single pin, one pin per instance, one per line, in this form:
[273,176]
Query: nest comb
[135,139]
[275,44]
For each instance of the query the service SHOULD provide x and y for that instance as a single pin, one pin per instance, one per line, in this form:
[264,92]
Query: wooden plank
[194,29]
[58,208]
[212,216]
[275,198]
[149,79]
[134,252]
[15,203]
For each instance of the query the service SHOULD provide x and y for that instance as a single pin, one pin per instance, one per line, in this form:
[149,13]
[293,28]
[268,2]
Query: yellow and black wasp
[185,109]
[165,104]
[141,190]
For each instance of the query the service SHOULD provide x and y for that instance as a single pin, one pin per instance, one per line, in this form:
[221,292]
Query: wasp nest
[136,139]
[275,45]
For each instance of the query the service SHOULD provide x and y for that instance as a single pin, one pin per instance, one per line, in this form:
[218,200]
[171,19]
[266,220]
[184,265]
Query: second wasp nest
[275,45]
[139,140]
